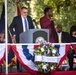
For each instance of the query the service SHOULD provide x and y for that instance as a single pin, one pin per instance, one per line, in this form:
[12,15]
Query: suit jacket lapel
[21,24]
[63,37]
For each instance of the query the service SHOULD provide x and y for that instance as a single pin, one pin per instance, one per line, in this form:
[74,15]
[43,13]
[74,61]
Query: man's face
[24,12]
[58,28]
[74,33]
[50,13]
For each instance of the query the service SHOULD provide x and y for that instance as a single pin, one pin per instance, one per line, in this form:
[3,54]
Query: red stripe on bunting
[74,47]
[2,59]
[18,57]
[63,58]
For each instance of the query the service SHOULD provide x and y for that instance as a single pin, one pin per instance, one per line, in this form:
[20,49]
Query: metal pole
[6,37]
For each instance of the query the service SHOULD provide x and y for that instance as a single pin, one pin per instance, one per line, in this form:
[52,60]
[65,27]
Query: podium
[34,36]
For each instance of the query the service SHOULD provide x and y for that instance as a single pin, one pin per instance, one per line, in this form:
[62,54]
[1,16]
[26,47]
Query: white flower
[44,67]
[46,64]
[42,49]
[53,51]
[52,68]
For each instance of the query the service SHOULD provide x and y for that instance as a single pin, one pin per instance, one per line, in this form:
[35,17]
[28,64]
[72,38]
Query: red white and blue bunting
[24,53]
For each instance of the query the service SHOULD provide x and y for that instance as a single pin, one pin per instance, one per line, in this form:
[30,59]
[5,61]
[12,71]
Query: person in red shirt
[47,22]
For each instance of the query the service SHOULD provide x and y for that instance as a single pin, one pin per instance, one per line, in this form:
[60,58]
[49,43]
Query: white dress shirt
[23,22]
[59,37]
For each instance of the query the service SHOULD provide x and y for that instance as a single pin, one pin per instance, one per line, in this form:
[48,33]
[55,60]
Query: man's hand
[2,37]
[14,39]
[52,19]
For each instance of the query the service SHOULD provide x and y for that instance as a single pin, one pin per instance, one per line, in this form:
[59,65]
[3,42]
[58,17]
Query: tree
[63,10]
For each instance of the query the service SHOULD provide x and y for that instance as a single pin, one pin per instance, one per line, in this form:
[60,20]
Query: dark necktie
[25,24]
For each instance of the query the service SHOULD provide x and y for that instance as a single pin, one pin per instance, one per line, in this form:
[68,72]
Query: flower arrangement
[48,50]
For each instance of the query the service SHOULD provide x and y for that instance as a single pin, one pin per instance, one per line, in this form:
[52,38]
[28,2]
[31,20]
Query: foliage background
[63,10]
[1,3]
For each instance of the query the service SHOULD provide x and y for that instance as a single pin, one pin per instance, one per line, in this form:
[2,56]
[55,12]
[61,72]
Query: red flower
[56,54]
[48,67]
[42,53]
[37,62]
[40,69]
[48,62]
[36,46]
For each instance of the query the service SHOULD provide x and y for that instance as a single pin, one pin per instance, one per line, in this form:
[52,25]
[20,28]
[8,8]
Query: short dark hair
[47,9]
[72,29]
[23,8]
[59,25]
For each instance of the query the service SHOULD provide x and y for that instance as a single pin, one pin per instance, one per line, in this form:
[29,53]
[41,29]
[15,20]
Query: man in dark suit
[18,24]
[62,37]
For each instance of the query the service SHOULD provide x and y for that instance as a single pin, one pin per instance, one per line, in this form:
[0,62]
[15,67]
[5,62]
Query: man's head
[24,11]
[58,28]
[73,31]
[48,11]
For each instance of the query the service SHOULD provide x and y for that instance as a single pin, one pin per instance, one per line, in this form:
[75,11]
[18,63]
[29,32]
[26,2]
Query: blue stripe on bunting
[28,55]
[57,47]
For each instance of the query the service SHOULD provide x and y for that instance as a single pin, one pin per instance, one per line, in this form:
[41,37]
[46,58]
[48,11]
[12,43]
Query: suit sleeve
[30,23]
[68,37]
[12,27]
[32,26]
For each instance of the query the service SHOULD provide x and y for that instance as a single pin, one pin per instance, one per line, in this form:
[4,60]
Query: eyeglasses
[58,27]
[25,12]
